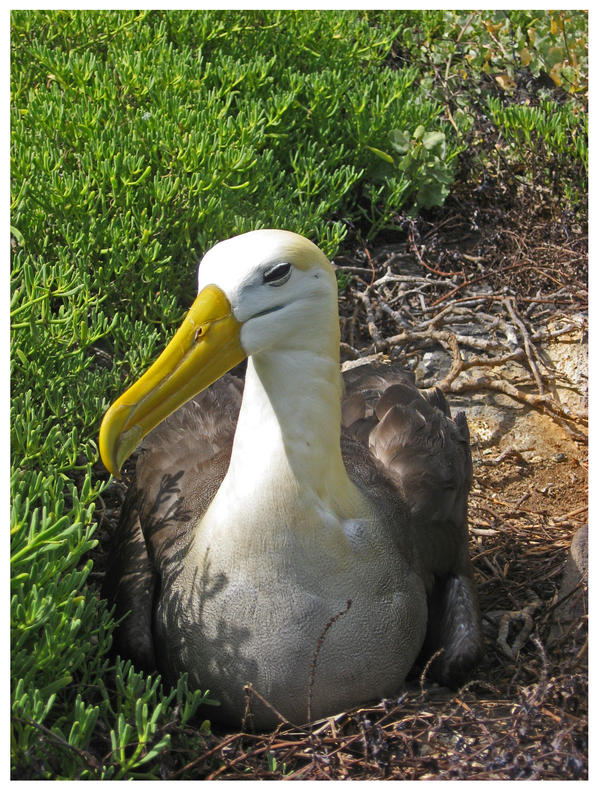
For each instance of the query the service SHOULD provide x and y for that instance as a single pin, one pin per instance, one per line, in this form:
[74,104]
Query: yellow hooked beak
[205,347]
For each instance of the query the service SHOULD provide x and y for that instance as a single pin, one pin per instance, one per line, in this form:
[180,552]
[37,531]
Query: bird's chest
[293,613]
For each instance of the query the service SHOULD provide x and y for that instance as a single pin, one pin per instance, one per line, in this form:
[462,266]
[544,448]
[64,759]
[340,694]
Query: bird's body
[256,546]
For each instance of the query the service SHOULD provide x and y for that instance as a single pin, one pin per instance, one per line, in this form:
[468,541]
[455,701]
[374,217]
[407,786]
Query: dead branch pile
[484,313]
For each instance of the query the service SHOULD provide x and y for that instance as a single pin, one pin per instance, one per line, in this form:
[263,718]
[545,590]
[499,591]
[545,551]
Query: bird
[291,528]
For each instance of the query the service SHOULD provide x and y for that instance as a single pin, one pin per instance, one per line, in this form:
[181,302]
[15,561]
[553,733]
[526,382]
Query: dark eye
[276,275]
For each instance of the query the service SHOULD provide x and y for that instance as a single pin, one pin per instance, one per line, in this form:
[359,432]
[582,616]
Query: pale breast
[349,617]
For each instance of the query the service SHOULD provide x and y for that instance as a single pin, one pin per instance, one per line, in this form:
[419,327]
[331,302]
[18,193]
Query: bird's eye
[278,274]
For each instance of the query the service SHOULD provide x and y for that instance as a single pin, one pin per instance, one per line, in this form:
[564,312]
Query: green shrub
[549,141]
[525,71]
[423,170]
[138,140]
[465,44]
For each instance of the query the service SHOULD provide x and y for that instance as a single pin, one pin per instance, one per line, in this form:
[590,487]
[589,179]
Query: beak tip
[111,467]
[109,462]
[114,472]
[110,441]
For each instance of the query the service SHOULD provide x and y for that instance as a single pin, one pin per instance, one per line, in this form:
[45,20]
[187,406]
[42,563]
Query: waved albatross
[262,508]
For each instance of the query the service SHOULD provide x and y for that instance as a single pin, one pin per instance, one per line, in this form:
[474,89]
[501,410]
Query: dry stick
[197,761]
[353,321]
[255,751]
[485,296]
[222,745]
[371,325]
[466,283]
[540,690]
[546,275]
[425,670]
[371,265]
[301,772]
[430,330]
[509,303]
[563,249]
[249,689]
[464,311]
[398,319]
[433,231]
[365,271]
[434,321]
[468,299]
[443,337]
[313,666]
[418,281]
[477,280]
[348,350]
[539,401]
[571,514]
[545,336]
[483,532]
[479,361]
[457,363]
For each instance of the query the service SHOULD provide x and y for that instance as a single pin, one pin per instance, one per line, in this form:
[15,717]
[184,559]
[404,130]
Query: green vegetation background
[138,140]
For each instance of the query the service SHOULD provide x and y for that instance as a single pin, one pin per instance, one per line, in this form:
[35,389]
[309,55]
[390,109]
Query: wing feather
[426,454]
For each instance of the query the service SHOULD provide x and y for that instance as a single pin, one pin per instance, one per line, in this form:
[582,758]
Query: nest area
[487,282]
[514,269]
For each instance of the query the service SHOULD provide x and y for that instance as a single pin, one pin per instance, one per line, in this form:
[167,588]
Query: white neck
[286,462]
[289,425]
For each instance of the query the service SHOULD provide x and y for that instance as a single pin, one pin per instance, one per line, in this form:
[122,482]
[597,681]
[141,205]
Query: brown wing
[426,454]
[178,470]
[128,584]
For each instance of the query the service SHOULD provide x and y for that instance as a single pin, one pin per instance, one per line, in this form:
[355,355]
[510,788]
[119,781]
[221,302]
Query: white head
[281,288]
